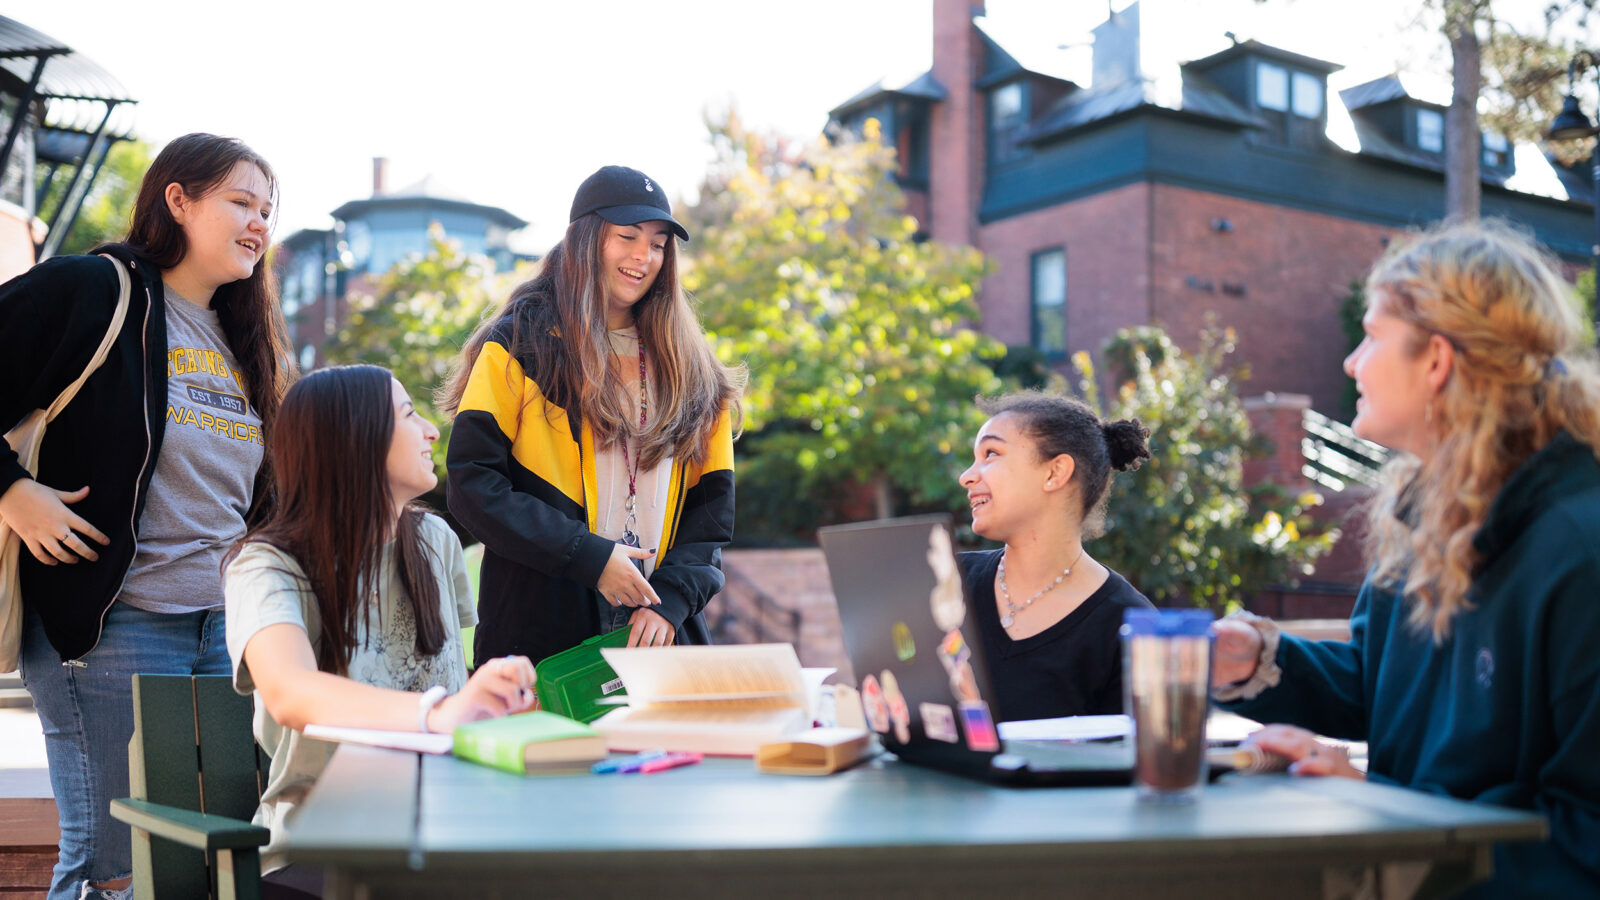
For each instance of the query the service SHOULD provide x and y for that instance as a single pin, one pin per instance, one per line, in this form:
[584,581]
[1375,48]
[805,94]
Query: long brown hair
[558,331]
[248,310]
[1519,376]
[334,508]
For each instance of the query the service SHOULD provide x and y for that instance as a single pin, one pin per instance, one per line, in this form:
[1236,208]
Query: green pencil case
[572,682]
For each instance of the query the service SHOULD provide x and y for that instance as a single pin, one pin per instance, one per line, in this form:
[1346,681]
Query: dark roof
[66,82]
[305,238]
[1375,143]
[1382,90]
[923,87]
[426,194]
[1199,98]
[1257,48]
[17,39]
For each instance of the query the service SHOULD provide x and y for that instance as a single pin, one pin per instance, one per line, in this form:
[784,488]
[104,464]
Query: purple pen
[669,761]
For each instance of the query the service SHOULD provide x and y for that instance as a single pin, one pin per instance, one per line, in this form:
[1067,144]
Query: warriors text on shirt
[215,411]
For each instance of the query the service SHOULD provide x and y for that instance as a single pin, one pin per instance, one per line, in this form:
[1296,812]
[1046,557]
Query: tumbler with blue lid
[1166,686]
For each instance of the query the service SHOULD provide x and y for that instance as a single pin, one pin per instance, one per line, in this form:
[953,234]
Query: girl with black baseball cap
[592,450]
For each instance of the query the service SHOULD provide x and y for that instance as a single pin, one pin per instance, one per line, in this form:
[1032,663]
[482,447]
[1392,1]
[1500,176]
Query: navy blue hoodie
[1507,709]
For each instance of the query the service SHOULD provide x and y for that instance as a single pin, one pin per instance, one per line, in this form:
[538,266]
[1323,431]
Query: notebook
[919,660]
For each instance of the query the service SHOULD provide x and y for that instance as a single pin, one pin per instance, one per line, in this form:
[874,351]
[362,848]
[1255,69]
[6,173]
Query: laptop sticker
[847,707]
[939,722]
[980,726]
[964,684]
[899,712]
[953,650]
[872,704]
[904,646]
[946,598]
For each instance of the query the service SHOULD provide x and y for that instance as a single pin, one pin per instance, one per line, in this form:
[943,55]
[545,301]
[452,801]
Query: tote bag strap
[100,353]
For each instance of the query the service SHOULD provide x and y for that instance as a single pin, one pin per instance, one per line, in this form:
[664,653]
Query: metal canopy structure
[85,110]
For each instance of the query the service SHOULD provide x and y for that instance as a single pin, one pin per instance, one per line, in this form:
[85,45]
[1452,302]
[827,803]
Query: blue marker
[626,763]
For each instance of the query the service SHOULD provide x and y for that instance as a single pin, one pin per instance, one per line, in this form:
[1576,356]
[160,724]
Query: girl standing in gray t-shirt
[147,475]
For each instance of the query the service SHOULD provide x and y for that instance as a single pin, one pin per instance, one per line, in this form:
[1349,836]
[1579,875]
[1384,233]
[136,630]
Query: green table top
[377,808]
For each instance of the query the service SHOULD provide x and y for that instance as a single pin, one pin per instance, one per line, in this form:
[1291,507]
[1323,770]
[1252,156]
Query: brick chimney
[956,132]
[380,175]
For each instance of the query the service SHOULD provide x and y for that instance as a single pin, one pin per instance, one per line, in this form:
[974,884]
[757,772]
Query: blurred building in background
[1171,186]
[319,269]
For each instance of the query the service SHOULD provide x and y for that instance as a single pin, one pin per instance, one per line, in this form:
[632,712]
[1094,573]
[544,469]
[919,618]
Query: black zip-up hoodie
[51,320]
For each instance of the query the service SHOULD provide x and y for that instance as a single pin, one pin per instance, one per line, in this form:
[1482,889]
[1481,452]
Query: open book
[723,700]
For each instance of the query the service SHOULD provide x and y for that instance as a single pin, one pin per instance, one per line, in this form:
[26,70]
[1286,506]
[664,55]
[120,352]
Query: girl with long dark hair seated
[345,607]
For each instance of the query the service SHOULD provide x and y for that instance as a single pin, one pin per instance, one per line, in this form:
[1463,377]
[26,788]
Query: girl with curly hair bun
[1047,612]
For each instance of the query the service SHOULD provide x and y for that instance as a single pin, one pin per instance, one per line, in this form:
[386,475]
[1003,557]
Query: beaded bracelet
[426,701]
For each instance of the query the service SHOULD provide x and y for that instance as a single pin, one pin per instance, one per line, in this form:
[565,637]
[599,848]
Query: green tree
[109,203]
[421,314]
[1184,528]
[863,362]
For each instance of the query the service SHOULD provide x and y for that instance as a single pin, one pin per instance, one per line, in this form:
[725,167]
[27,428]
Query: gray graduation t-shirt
[204,475]
[267,587]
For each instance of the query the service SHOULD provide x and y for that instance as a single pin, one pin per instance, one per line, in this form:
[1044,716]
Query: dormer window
[1005,120]
[1430,130]
[1291,103]
[1272,87]
[1496,150]
[1307,96]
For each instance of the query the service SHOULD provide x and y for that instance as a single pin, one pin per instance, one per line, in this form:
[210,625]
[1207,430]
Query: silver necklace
[1010,618]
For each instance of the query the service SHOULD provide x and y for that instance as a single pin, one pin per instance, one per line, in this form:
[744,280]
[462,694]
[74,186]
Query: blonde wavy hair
[1520,376]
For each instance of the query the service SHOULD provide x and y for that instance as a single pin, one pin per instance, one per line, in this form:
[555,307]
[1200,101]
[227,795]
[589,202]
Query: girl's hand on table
[499,687]
[1306,754]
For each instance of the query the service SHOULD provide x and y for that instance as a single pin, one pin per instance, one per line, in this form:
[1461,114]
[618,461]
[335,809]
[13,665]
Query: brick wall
[955,128]
[16,241]
[1108,272]
[1276,277]
[1280,419]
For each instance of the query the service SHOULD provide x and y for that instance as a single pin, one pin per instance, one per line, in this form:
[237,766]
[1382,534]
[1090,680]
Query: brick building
[320,268]
[1162,190]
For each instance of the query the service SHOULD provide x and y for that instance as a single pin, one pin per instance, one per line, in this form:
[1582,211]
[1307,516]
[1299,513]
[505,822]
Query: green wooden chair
[196,778]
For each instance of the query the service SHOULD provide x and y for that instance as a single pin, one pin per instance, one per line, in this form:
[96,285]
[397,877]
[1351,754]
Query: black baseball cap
[624,196]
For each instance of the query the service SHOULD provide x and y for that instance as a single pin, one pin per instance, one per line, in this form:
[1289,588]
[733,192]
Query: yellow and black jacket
[525,486]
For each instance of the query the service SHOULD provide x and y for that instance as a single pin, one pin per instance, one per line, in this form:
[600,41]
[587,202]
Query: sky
[514,103]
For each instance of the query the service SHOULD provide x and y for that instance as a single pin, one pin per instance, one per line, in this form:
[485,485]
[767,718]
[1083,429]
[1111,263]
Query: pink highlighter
[670,761]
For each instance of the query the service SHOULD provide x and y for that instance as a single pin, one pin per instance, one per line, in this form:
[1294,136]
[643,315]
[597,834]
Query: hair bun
[1126,443]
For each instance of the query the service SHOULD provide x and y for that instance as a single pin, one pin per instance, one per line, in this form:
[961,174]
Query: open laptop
[919,660]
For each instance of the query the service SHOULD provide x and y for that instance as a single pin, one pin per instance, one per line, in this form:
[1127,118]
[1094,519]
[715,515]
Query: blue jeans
[87,716]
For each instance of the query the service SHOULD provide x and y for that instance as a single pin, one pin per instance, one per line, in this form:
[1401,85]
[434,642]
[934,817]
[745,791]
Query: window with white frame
[1430,130]
[1496,150]
[1049,301]
[1005,120]
[1307,96]
[1272,87]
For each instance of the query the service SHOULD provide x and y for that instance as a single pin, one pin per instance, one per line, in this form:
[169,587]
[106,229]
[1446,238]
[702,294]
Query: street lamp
[1572,124]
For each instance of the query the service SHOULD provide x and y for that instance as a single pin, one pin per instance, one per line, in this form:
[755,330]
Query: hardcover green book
[537,741]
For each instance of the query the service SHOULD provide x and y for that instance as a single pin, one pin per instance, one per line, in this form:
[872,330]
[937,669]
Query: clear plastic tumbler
[1166,684]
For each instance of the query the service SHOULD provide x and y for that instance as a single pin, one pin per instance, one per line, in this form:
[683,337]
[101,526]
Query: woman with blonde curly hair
[1471,669]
